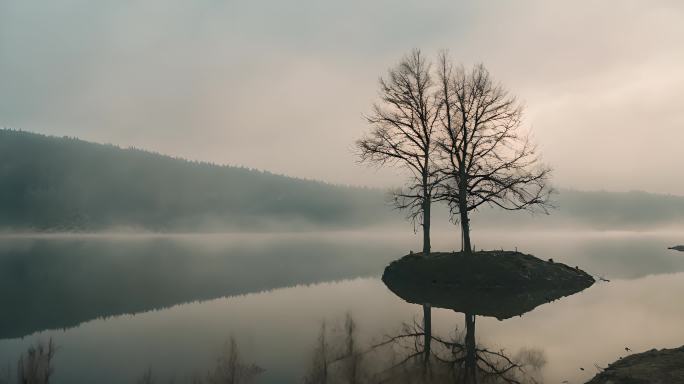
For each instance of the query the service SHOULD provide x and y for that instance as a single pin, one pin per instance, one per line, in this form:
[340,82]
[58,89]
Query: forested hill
[64,184]
[596,210]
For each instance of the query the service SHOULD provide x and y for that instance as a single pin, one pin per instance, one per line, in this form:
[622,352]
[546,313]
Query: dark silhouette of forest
[68,184]
[65,184]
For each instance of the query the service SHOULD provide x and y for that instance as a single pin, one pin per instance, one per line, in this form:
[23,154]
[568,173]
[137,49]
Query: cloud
[283,86]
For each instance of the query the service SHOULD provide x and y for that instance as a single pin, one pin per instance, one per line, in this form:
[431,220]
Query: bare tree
[230,369]
[318,372]
[485,156]
[403,125]
[36,365]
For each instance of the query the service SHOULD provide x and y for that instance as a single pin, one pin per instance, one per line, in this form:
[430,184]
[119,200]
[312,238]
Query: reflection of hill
[491,283]
[48,284]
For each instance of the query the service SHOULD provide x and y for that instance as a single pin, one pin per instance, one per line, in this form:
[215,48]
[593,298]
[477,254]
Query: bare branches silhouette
[459,135]
[485,157]
[404,123]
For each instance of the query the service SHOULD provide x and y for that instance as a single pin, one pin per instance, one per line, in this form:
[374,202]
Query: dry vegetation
[35,366]
[228,369]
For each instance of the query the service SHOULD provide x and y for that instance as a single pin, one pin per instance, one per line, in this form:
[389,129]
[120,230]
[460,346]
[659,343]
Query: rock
[499,284]
[663,366]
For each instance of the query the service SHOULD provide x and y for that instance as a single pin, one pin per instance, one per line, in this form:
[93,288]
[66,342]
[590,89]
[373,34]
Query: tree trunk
[465,227]
[427,331]
[426,225]
[427,310]
[470,373]
[463,211]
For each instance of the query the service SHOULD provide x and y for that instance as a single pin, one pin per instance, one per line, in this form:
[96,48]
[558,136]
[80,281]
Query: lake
[118,306]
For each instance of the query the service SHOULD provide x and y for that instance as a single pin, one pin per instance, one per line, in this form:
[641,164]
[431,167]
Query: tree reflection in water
[403,357]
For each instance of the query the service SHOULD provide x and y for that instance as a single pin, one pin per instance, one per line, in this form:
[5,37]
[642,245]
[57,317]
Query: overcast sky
[283,85]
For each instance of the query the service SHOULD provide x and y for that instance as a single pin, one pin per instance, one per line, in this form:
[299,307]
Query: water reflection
[279,330]
[54,283]
[59,283]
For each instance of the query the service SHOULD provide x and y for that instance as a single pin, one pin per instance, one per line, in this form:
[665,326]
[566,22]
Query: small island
[499,284]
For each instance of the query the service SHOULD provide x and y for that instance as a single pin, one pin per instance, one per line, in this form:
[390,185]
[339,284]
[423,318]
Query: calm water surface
[117,306]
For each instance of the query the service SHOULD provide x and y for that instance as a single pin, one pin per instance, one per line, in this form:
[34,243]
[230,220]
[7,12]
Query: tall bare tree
[403,128]
[486,157]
